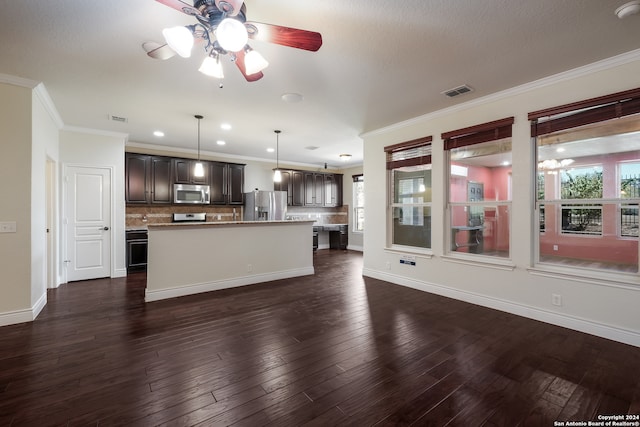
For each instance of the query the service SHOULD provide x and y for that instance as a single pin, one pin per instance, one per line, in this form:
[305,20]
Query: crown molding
[18,81]
[234,157]
[43,95]
[97,132]
[605,64]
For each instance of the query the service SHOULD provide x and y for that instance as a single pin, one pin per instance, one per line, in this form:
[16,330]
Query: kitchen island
[190,258]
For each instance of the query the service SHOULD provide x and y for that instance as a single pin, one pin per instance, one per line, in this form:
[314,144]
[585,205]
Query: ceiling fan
[223,27]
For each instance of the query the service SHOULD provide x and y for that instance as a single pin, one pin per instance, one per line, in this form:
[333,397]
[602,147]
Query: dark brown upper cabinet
[148,179]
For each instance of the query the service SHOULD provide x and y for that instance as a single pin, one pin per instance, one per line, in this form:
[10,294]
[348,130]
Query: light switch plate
[8,227]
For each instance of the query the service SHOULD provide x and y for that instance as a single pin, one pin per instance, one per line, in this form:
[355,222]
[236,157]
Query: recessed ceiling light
[559,150]
[220,142]
[225,126]
[292,97]
[158,133]
[628,9]
[271,150]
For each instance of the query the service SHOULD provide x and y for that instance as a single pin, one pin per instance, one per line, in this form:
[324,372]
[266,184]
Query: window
[629,181]
[480,189]
[581,183]
[358,203]
[588,155]
[409,171]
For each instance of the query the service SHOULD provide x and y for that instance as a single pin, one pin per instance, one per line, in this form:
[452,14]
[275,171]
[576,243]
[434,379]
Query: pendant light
[277,176]
[198,169]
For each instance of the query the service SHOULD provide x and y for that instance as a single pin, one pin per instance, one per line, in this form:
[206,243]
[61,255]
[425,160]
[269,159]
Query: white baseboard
[22,316]
[355,248]
[119,272]
[566,321]
[197,288]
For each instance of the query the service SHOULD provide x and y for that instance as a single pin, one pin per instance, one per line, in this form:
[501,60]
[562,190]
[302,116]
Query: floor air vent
[457,91]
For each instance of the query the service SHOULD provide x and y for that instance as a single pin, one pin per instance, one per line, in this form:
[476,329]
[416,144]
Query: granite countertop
[225,223]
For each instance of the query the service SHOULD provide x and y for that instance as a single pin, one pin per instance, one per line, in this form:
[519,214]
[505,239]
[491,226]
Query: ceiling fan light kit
[223,26]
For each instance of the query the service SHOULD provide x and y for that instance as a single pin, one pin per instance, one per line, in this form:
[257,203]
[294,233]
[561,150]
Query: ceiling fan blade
[230,7]
[158,51]
[181,6]
[285,36]
[243,69]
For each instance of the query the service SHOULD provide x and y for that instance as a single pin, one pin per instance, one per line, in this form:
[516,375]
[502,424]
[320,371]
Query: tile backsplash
[141,216]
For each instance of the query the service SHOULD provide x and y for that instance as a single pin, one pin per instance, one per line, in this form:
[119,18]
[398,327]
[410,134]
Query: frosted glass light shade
[277,176]
[212,67]
[254,62]
[198,170]
[232,35]
[179,39]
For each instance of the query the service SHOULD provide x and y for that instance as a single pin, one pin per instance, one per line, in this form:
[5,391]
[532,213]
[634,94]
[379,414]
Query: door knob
[105,228]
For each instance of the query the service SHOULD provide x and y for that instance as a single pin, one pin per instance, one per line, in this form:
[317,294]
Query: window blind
[491,131]
[410,153]
[585,112]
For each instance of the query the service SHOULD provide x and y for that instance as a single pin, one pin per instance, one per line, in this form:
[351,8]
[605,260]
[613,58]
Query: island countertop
[227,223]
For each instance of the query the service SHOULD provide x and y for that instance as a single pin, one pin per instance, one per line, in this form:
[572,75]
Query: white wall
[597,306]
[45,145]
[29,135]
[83,147]
[15,199]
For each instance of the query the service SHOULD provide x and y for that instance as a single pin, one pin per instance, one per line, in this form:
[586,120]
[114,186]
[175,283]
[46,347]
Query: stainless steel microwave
[191,194]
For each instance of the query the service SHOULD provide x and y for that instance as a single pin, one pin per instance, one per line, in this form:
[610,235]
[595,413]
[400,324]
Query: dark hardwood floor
[330,349]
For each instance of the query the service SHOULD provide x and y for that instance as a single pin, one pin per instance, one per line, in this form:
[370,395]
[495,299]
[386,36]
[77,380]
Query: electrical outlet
[555,247]
[388,264]
[249,268]
[219,217]
[8,227]
[556,299]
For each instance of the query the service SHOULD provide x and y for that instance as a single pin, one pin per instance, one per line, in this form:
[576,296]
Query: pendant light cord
[277,148]
[199,117]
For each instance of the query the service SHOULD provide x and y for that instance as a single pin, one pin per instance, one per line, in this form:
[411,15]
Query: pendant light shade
[277,175]
[198,169]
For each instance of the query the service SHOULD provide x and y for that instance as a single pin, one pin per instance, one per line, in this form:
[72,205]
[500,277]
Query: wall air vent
[118,119]
[457,91]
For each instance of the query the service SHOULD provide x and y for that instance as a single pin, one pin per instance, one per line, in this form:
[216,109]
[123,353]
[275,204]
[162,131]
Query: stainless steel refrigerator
[265,205]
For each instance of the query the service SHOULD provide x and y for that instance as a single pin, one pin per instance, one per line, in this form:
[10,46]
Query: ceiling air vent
[118,119]
[457,91]
[311,147]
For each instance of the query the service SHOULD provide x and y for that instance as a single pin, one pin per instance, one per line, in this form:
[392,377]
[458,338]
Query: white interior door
[88,209]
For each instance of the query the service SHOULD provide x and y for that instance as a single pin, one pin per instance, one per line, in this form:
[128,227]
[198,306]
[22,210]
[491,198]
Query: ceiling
[381,63]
